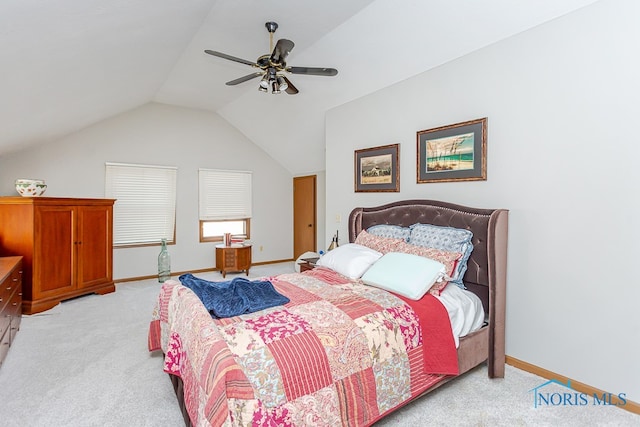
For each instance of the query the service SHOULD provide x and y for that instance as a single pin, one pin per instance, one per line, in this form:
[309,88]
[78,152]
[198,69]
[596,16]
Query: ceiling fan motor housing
[271,26]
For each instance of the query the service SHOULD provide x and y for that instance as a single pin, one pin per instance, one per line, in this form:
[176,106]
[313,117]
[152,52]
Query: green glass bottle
[164,263]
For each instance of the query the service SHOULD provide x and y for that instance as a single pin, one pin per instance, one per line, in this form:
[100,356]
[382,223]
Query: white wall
[159,134]
[562,106]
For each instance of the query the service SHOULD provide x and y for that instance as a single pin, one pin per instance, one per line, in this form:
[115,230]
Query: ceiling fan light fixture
[264,83]
[282,83]
[275,87]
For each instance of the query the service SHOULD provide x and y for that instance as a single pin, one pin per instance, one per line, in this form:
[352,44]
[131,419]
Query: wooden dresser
[10,301]
[233,258]
[66,245]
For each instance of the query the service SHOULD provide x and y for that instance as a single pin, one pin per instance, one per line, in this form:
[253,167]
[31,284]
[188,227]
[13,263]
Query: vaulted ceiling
[67,64]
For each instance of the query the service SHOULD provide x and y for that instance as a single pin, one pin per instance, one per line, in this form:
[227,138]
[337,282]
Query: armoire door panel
[53,267]
[94,245]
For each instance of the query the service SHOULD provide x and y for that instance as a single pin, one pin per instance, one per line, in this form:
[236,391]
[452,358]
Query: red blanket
[440,354]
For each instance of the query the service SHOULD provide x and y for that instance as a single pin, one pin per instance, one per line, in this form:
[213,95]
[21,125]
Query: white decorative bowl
[29,181]
[30,187]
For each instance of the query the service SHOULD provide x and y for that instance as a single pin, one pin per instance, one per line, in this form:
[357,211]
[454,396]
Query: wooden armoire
[66,245]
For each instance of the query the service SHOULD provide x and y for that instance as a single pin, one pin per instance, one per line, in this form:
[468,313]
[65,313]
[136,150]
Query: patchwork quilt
[339,353]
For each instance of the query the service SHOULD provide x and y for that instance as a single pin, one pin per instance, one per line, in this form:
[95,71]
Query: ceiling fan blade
[244,78]
[280,52]
[291,89]
[313,71]
[230,58]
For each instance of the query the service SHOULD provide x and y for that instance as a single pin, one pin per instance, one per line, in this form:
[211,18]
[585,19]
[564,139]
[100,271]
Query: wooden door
[304,215]
[94,245]
[53,258]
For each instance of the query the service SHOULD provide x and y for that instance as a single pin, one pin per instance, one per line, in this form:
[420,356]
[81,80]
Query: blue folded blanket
[234,297]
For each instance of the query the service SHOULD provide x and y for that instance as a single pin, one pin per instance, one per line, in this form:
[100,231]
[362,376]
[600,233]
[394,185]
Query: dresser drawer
[5,342]
[8,304]
[14,306]
[11,283]
[6,289]
[5,323]
[14,310]
[10,301]
[15,327]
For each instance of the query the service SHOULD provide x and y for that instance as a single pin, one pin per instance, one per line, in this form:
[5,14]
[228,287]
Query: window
[145,208]
[225,203]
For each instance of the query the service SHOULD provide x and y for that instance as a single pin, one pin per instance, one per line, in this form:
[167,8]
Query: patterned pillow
[448,259]
[377,243]
[391,231]
[445,238]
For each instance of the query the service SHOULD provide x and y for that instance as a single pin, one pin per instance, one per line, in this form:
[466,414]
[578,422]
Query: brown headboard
[487,264]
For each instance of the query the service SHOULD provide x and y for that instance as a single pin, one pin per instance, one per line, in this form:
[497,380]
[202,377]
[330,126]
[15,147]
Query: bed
[341,351]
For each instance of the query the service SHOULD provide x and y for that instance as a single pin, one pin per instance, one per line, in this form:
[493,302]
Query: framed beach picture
[377,169]
[455,152]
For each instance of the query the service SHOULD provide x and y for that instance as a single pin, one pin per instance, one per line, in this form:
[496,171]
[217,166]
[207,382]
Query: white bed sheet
[465,310]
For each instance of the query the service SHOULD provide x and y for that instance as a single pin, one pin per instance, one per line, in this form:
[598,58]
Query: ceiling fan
[273,65]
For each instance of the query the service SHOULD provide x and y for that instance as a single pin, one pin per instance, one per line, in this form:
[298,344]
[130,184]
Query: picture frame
[377,169]
[456,152]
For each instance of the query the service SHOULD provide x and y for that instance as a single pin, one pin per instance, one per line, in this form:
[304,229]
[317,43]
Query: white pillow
[405,274]
[350,260]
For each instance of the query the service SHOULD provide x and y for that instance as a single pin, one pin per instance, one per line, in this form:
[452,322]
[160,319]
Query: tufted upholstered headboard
[487,266]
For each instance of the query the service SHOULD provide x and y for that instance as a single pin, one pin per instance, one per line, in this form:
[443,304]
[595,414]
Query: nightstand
[308,263]
[233,258]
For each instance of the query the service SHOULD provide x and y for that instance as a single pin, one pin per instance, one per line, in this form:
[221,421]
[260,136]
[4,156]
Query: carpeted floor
[85,363]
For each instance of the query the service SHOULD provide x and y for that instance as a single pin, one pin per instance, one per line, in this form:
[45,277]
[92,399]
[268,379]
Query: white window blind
[145,208]
[224,194]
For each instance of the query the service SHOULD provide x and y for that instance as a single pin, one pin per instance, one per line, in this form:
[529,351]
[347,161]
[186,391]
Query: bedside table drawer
[229,259]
